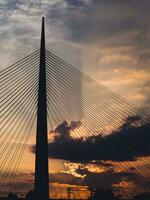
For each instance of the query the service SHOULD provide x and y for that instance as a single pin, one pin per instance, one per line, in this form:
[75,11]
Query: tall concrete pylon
[41,160]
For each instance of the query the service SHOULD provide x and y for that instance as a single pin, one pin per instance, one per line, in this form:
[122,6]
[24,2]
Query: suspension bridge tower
[41,160]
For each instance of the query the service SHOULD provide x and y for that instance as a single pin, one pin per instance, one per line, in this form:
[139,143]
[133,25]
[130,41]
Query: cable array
[80,112]
[18,104]
[74,96]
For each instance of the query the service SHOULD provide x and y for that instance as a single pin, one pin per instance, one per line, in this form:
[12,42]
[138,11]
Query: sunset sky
[109,41]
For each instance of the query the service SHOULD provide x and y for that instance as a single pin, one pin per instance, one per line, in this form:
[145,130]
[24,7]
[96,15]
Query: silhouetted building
[12,196]
[103,195]
[144,196]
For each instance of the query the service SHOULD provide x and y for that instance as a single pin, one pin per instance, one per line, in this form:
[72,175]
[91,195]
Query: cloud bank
[127,143]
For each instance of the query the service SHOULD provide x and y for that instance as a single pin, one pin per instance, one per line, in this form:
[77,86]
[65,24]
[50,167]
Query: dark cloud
[107,179]
[77,3]
[101,19]
[127,143]
[103,163]
[64,129]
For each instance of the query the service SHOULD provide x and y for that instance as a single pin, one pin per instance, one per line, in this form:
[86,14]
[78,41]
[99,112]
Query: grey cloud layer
[80,21]
[92,25]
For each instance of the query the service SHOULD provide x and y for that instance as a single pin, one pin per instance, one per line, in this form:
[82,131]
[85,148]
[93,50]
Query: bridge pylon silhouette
[41,160]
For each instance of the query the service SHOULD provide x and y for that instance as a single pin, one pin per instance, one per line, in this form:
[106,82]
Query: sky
[108,40]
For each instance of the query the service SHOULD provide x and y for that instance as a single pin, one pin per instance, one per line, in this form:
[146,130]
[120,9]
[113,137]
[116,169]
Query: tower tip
[43,20]
[43,34]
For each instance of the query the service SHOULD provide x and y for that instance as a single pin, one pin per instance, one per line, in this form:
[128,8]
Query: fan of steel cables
[87,121]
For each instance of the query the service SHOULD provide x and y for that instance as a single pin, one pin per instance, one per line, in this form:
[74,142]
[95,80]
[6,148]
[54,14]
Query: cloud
[127,143]
[123,29]
[103,181]
[88,25]
[109,179]
[98,20]
[20,27]
[119,182]
[23,182]
[63,130]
